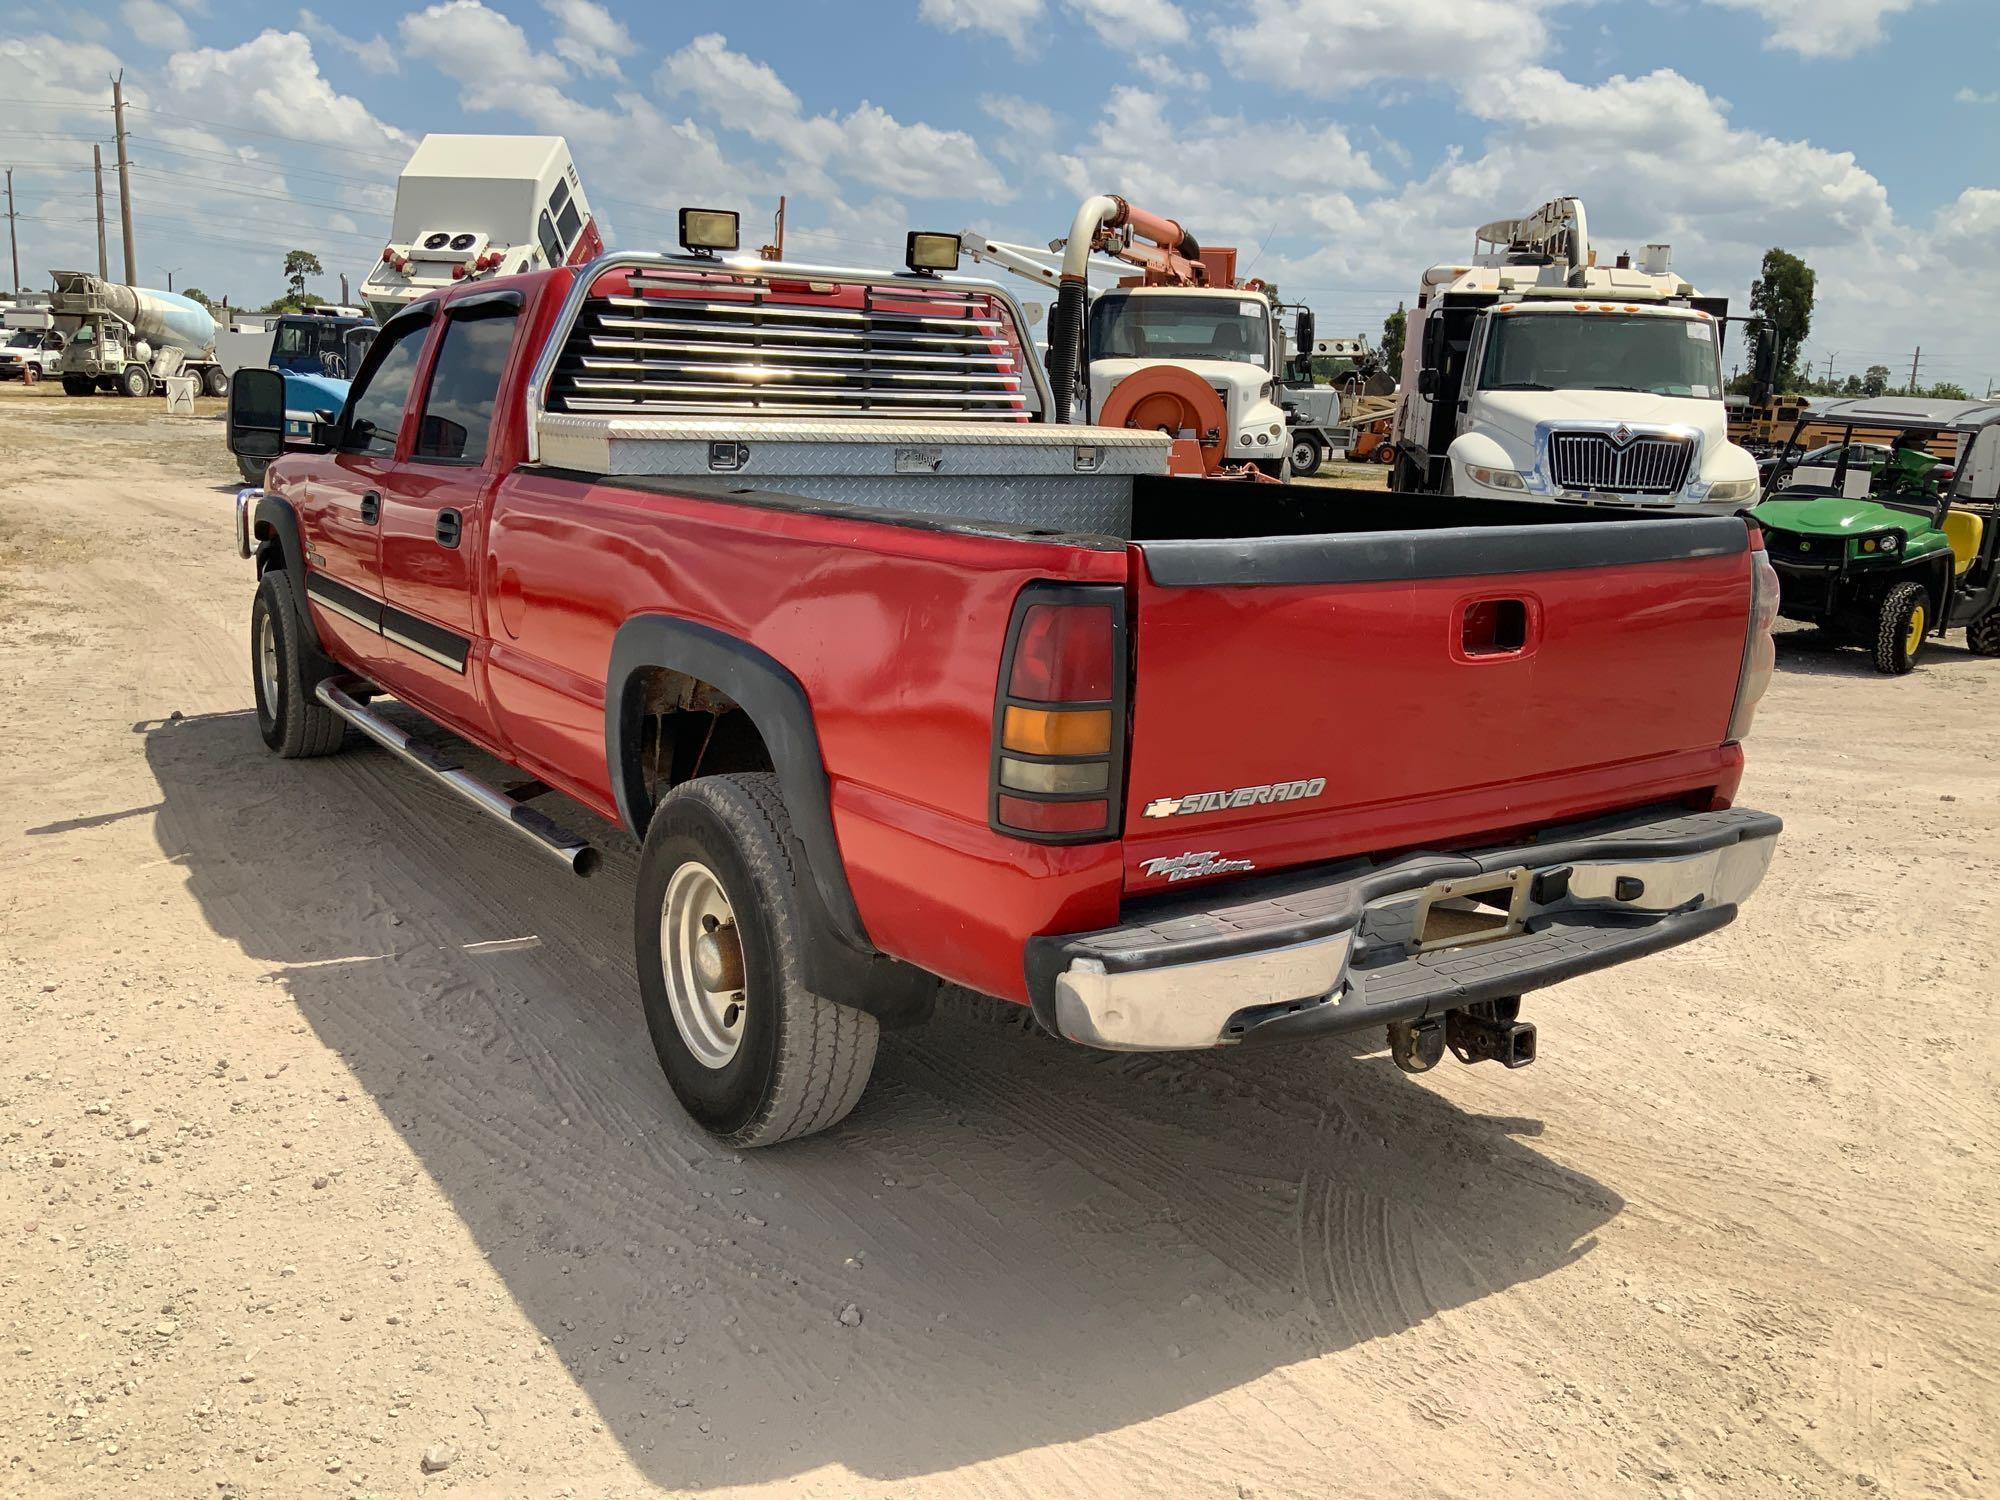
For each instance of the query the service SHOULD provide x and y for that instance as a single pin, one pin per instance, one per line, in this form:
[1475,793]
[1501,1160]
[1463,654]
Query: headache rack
[691,337]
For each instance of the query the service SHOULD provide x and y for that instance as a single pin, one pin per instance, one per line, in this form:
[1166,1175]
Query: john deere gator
[1885,553]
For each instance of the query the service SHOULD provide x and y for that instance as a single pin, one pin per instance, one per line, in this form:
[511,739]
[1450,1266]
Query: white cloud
[1823,28]
[375,54]
[1973,96]
[1134,25]
[590,39]
[273,82]
[1146,148]
[1335,46]
[1168,74]
[488,55]
[1013,21]
[155,24]
[868,145]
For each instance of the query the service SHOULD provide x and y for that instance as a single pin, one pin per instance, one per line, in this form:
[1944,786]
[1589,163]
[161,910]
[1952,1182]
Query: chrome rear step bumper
[1339,947]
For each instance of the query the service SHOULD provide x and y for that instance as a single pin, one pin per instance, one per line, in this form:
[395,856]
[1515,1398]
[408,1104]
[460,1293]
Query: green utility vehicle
[1883,554]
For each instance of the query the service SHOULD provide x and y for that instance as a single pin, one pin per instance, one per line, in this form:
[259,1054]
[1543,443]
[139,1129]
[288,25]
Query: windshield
[1163,328]
[1661,356]
[23,339]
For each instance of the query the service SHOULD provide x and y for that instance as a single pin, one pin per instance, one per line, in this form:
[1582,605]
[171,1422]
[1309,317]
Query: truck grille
[1790,546]
[1644,466]
[735,343]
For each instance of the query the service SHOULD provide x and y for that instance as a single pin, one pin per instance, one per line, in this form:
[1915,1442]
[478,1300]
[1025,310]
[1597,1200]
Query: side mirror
[256,413]
[324,424]
[1427,381]
[1302,333]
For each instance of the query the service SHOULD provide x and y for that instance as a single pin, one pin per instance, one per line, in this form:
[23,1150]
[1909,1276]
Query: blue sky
[1344,144]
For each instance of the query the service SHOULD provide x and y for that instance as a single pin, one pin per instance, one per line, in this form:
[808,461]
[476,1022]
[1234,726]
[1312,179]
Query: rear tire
[135,382]
[215,381]
[1900,626]
[78,385]
[292,722]
[1982,636]
[752,1054]
[1307,456]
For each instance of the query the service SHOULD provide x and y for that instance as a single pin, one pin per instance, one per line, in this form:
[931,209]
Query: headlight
[1887,541]
[1498,479]
[1724,491]
[1244,439]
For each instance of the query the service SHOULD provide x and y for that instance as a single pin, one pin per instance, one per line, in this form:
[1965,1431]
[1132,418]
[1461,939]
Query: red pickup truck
[786,571]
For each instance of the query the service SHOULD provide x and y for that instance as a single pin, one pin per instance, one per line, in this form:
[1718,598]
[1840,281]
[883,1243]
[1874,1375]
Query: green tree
[1393,328]
[1876,381]
[293,302]
[299,264]
[196,294]
[1783,296]
[1947,390]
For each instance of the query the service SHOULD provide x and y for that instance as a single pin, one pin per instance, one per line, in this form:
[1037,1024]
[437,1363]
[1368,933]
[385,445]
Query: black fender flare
[841,962]
[274,529]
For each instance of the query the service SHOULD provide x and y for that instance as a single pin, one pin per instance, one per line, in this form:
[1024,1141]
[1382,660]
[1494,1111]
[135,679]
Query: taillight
[1059,715]
[1760,652]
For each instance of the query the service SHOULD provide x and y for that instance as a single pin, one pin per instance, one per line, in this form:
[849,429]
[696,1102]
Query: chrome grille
[1643,466]
[727,342]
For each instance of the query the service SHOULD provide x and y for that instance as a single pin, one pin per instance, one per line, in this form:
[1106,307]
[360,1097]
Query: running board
[542,831]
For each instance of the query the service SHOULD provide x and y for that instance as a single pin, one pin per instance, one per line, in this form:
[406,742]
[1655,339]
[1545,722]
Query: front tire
[292,722]
[1900,625]
[1307,455]
[252,469]
[78,385]
[135,382]
[752,1054]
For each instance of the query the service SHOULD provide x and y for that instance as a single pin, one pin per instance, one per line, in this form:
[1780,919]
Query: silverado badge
[1242,796]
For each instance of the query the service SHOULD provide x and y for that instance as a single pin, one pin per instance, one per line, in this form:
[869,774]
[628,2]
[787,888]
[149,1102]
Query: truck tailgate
[1302,698]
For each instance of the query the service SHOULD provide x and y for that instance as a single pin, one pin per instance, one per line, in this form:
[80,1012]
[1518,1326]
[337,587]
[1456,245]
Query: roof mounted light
[927,253]
[707,230]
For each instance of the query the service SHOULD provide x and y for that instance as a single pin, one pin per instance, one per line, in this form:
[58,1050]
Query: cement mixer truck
[128,339]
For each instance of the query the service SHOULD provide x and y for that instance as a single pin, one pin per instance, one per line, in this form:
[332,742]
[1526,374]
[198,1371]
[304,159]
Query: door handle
[371,508]
[449,526]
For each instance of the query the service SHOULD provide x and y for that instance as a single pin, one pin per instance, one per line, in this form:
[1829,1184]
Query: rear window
[465,382]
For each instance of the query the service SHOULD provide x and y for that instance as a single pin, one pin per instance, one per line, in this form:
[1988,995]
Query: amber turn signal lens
[1055,731]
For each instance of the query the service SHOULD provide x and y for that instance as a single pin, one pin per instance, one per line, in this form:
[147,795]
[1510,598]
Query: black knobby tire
[252,469]
[293,722]
[801,1061]
[135,382]
[1982,636]
[1895,652]
[215,381]
[1307,456]
[78,385]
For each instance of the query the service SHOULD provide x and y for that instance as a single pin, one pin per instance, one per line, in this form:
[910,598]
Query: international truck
[1533,372]
[786,571]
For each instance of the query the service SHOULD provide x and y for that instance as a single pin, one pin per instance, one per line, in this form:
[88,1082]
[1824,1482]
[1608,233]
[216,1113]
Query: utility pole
[1914,358]
[97,167]
[1829,366]
[124,180]
[12,244]
[170,277]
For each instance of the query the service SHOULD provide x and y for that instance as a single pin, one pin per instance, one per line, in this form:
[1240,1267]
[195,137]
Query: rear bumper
[1330,950]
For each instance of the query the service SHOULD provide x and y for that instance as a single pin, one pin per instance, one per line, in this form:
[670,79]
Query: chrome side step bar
[337,694]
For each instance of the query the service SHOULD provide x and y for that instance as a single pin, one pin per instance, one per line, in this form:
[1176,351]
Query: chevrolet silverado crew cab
[784,570]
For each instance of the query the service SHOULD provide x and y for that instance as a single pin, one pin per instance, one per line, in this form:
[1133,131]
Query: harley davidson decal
[1195,864]
[1242,796]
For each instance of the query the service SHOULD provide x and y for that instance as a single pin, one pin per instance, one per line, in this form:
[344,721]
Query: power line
[156,144]
[270,134]
[243,192]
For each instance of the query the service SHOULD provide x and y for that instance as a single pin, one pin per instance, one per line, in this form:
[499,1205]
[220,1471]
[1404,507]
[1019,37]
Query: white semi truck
[129,339]
[1533,372]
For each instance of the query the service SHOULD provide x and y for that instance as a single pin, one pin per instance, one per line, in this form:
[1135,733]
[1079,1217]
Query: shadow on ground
[1051,1243]
[1817,654]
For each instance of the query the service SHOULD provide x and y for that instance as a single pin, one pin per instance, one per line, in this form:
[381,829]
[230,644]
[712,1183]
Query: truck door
[434,521]
[338,498]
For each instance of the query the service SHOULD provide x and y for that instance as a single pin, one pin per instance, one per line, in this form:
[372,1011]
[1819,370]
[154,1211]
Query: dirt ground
[333,1143]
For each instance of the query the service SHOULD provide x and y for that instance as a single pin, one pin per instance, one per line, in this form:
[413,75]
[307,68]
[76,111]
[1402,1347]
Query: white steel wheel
[701,956]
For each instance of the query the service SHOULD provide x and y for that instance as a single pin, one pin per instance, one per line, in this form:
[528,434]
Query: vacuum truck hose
[1066,345]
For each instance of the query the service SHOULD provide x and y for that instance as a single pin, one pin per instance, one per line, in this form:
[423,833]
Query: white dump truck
[1534,372]
[129,339]
[478,205]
